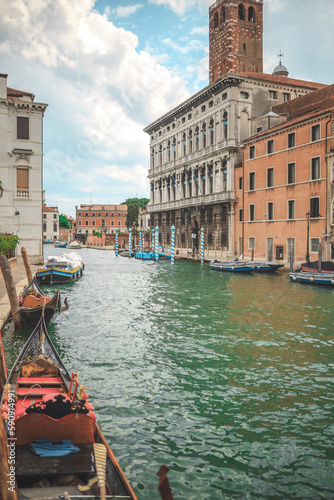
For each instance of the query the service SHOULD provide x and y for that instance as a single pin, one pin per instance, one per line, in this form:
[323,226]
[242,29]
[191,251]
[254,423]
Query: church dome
[280,70]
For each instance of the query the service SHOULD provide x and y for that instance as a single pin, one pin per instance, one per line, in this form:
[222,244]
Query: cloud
[200,30]
[100,90]
[123,11]
[180,7]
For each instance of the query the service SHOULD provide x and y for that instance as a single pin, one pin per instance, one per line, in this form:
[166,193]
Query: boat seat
[37,391]
[40,380]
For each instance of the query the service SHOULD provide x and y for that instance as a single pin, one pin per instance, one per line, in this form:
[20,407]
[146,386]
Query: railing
[22,194]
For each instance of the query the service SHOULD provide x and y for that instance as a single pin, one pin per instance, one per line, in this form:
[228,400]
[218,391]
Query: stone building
[50,224]
[21,167]
[195,147]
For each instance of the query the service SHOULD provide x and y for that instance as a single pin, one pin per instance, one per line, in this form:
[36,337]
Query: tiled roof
[289,123]
[49,209]
[105,207]
[283,79]
[17,93]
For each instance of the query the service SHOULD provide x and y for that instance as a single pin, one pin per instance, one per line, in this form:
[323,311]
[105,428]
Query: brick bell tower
[235,37]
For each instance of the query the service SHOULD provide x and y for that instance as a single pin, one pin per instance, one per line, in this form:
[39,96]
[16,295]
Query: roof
[289,123]
[49,209]
[109,207]
[283,79]
[18,93]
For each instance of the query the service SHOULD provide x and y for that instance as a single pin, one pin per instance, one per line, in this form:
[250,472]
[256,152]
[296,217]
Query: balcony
[207,199]
[22,194]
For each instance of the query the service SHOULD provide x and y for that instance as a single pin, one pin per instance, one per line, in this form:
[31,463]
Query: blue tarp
[46,448]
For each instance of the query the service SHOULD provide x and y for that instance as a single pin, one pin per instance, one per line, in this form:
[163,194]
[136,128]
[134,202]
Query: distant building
[21,167]
[195,147]
[144,220]
[100,218]
[286,182]
[50,224]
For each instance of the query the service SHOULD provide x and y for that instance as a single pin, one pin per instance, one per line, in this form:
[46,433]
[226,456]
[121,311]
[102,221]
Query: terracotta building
[285,187]
[195,147]
[100,218]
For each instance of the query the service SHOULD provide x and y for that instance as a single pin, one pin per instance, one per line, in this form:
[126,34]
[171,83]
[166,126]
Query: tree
[63,221]
[133,205]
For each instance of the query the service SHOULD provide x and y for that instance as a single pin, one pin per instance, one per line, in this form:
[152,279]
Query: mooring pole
[202,245]
[26,263]
[152,242]
[140,241]
[116,249]
[172,249]
[319,258]
[156,240]
[11,290]
[130,241]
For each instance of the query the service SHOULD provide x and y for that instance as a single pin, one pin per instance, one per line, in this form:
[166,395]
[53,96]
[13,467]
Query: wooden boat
[233,266]
[64,269]
[33,301]
[60,244]
[327,267]
[45,410]
[313,278]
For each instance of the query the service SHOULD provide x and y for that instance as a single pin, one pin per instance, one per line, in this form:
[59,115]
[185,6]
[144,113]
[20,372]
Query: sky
[108,68]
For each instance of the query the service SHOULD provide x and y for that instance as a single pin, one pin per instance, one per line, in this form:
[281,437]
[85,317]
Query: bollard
[172,249]
[202,245]
[156,239]
[11,290]
[130,241]
[26,263]
[116,249]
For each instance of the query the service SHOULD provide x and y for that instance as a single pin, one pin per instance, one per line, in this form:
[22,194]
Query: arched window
[204,134]
[103,223]
[225,124]
[215,20]
[241,12]
[222,15]
[251,15]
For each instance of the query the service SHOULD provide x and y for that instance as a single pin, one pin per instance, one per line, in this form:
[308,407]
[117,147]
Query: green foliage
[97,233]
[8,243]
[140,202]
[133,205]
[63,221]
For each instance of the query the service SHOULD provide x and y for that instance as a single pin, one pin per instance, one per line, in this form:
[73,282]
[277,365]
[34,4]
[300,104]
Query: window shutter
[22,178]
[23,127]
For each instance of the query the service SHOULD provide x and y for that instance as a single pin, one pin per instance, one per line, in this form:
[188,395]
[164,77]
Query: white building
[21,167]
[50,224]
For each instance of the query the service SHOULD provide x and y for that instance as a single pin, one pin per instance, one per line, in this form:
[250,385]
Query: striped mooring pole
[152,242]
[172,248]
[130,241]
[202,245]
[156,240]
[140,241]
[143,242]
[116,249]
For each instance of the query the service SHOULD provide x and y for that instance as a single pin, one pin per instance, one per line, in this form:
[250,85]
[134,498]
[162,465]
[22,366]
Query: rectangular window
[272,94]
[93,222]
[240,182]
[86,222]
[55,216]
[251,152]
[286,97]
[270,177]
[270,210]
[259,129]
[291,140]
[315,133]
[251,181]
[270,249]
[270,146]
[315,244]
[315,207]
[22,131]
[22,178]
[251,243]
[291,209]
[55,227]
[290,243]
[44,216]
[315,168]
[79,222]
[291,173]
[252,212]
[241,215]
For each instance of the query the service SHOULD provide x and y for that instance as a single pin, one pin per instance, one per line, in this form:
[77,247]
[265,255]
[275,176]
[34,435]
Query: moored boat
[60,244]
[233,266]
[144,255]
[74,244]
[266,267]
[59,448]
[313,278]
[327,267]
[33,303]
[61,269]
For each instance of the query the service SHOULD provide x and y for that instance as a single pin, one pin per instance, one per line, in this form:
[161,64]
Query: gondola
[32,302]
[52,429]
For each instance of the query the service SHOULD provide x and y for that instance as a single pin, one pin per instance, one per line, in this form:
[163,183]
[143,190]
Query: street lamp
[1,190]
[308,217]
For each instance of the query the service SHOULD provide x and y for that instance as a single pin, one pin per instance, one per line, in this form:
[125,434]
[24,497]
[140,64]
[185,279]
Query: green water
[229,380]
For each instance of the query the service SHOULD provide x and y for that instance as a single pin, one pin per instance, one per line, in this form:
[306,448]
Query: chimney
[3,86]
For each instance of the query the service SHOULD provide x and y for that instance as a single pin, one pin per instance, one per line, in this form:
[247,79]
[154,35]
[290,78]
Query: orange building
[284,187]
[100,218]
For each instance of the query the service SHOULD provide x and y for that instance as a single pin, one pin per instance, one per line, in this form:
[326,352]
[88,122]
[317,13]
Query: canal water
[228,380]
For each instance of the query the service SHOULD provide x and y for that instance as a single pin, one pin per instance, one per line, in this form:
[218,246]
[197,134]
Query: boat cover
[71,260]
